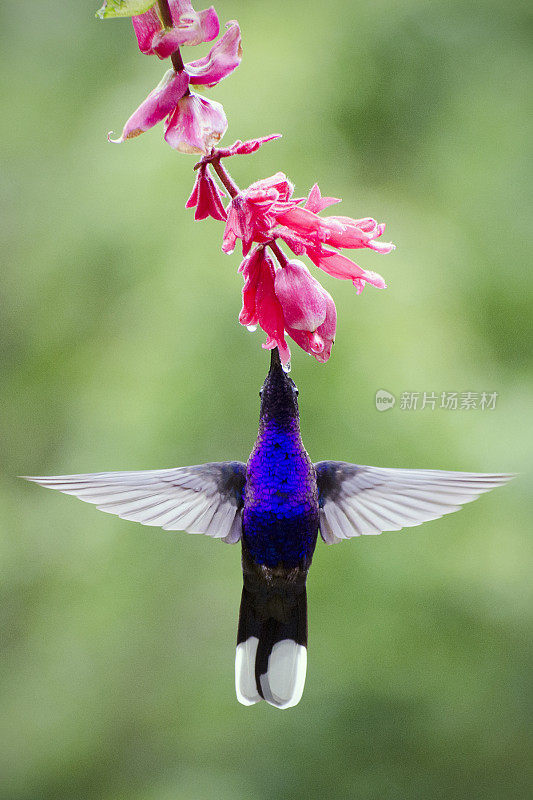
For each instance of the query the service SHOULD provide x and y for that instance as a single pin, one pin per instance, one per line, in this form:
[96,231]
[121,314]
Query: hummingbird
[275,506]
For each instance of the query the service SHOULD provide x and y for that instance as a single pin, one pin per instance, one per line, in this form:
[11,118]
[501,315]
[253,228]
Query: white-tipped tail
[245,685]
[284,681]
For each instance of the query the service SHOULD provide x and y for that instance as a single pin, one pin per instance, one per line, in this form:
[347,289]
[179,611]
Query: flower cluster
[193,123]
[286,299]
[279,294]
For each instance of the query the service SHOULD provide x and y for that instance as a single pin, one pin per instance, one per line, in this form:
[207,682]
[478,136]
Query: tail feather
[271,657]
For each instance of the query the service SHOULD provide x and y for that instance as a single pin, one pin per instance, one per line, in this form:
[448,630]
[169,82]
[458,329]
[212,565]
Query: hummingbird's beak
[275,361]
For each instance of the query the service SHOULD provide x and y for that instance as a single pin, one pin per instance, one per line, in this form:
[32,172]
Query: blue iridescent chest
[280,521]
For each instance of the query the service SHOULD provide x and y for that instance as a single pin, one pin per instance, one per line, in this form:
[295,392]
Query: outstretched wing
[207,498]
[357,500]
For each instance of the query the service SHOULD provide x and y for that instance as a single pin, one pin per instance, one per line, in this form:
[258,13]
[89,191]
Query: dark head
[279,395]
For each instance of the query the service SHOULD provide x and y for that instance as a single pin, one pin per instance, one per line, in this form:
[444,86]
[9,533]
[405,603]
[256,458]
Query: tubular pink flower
[319,342]
[190,28]
[195,125]
[339,266]
[222,59]
[304,223]
[206,196]
[160,103]
[251,271]
[336,231]
[301,296]
[239,225]
[351,233]
[269,311]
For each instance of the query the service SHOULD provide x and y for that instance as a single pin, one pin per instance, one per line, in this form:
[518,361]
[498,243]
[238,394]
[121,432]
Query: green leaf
[123,8]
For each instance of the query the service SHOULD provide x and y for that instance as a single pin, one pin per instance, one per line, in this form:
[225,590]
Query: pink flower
[189,28]
[222,59]
[206,196]
[194,123]
[301,296]
[251,270]
[339,266]
[288,300]
[252,214]
[260,304]
[341,232]
[308,309]
[305,232]
[318,343]
[159,104]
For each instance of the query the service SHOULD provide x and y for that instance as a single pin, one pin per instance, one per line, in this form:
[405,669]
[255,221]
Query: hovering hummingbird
[275,505]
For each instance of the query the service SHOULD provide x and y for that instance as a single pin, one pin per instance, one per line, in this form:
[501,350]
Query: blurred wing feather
[357,500]
[201,499]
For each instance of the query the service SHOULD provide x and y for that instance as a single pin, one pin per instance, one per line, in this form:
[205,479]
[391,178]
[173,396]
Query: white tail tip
[283,683]
[245,685]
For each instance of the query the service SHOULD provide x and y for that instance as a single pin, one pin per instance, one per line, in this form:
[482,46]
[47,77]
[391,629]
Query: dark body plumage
[280,526]
[280,519]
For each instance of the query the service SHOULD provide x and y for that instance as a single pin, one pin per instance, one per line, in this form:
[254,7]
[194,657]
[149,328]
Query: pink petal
[206,196]
[316,203]
[351,233]
[319,342]
[298,244]
[221,60]
[340,266]
[209,25]
[329,327]
[251,269]
[303,222]
[196,124]
[189,28]
[374,279]
[159,103]
[195,194]
[166,41]
[194,27]
[381,247]
[269,311]
[213,200]
[239,148]
[239,225]
[345,235]
[278,182]
[311,343]
[146,26]
[367,224]
[301,296]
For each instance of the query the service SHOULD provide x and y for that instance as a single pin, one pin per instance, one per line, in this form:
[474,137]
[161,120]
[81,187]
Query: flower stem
[278,252]
[166,19]
[225,177]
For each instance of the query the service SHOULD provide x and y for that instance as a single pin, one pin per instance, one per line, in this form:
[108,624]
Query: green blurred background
[120,349]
